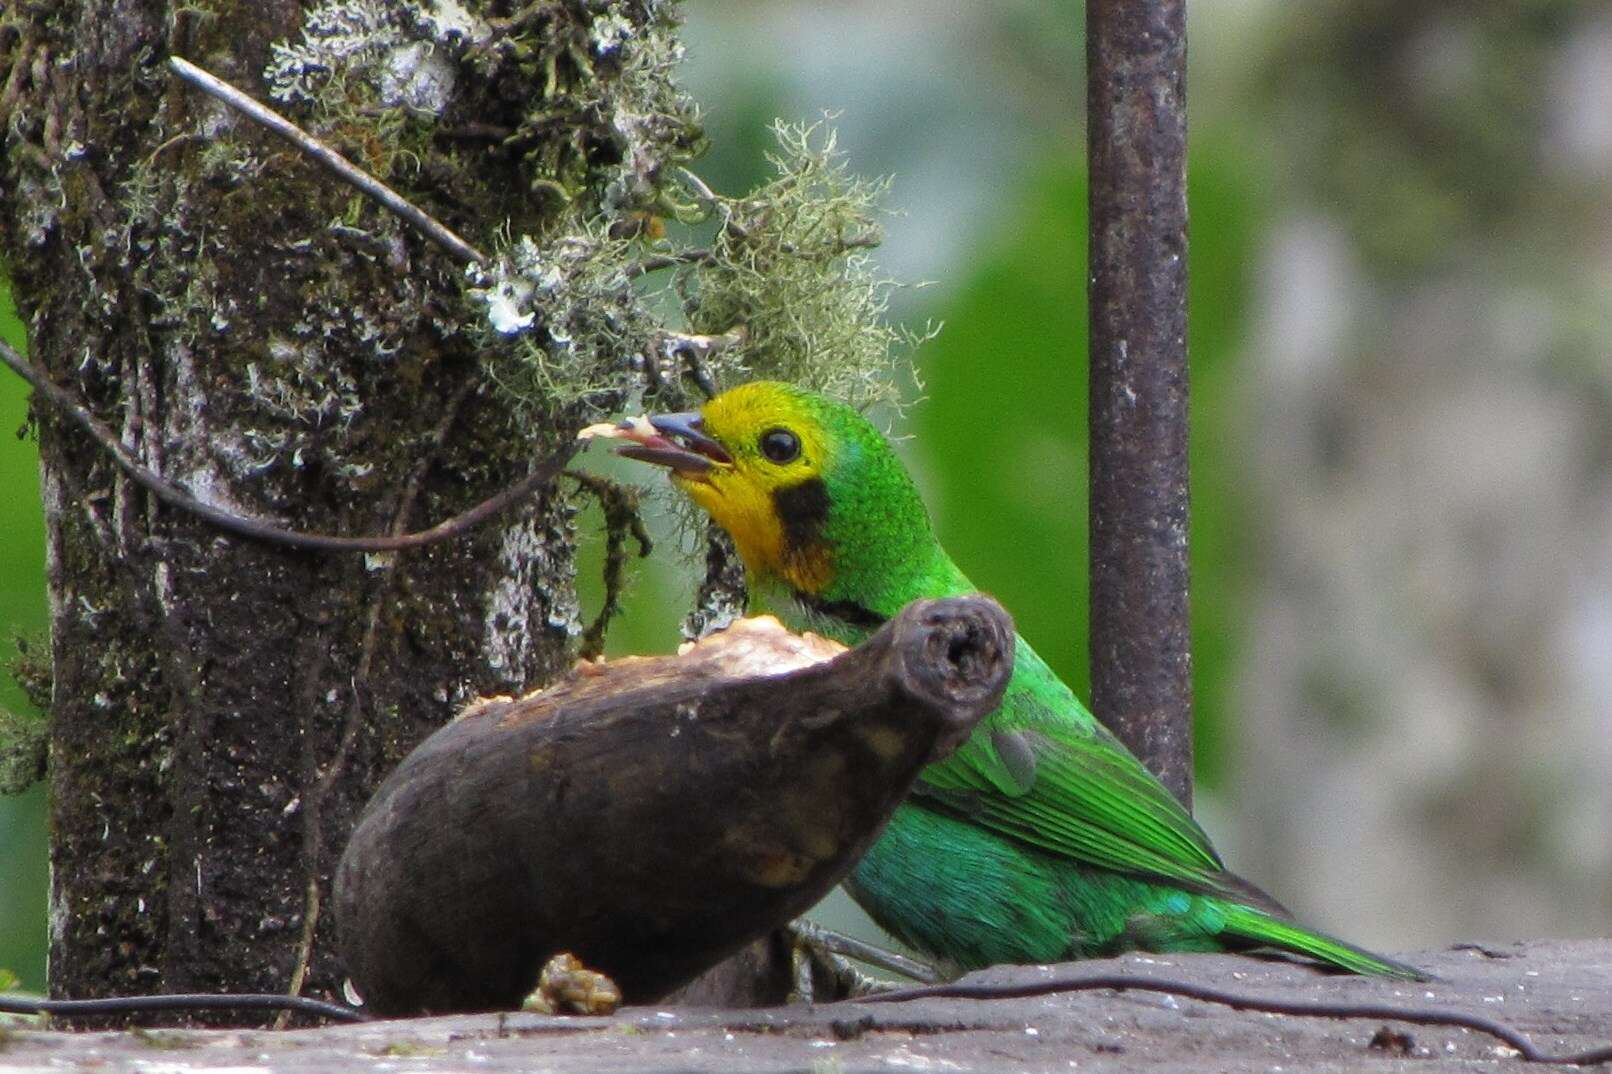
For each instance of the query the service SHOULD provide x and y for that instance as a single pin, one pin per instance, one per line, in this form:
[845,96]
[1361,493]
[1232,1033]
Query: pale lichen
[790,263]
[41,196]
[397,55]
[574,313]
[24,740]
[610,32]
[447,22]
[785,283]
[521,617]
[584,302]
[295,382]
[417,76]
[600,69]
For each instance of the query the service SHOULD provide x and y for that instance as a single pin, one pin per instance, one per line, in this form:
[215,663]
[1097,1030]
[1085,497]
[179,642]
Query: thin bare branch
[704,256]
[319,783]
[344,169]
[656,262]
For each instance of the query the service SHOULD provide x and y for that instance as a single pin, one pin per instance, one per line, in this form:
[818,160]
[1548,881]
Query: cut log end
[957,654]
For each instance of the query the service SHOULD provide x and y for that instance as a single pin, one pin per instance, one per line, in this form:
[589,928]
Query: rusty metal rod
[1137,140]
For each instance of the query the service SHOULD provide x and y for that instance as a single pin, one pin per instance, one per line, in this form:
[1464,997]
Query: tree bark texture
[1136,58]
[279,347]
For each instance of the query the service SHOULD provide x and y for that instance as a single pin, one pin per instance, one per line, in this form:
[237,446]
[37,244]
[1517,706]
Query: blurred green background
[22,612]
[1402,415]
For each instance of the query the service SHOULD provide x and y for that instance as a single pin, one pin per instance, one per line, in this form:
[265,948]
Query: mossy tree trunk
[280,347]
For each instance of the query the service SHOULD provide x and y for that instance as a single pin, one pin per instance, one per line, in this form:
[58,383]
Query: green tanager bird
[1042,838]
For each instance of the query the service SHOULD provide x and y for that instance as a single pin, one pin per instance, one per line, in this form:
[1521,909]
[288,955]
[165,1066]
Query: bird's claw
[818,958]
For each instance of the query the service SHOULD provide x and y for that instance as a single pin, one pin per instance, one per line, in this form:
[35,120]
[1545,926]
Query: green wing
[1044,771]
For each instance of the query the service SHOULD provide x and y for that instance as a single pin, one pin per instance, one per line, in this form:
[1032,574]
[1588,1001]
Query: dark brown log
[653,815]
[761,974]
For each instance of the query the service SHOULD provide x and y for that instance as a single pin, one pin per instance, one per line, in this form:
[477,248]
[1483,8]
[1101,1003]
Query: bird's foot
[819,955]
[567,987]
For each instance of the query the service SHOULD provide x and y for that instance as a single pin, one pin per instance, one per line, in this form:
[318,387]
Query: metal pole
[1137,141]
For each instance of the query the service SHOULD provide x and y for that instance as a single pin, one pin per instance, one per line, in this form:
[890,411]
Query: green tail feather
[1261,928]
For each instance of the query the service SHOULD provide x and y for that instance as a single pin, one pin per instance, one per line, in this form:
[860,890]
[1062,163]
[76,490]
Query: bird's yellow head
[809,490]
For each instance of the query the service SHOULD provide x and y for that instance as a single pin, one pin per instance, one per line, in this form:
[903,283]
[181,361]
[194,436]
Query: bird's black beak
[678,443]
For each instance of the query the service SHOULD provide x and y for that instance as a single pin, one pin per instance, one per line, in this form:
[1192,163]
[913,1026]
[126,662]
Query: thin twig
[1301,1008]
[311,666]
[620,506]
[543,472]
[656,262]
[701,255]
[700,187]
[344,169]
[322,783]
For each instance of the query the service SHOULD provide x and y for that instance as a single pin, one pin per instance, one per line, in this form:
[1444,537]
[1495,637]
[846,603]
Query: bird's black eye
[780,445]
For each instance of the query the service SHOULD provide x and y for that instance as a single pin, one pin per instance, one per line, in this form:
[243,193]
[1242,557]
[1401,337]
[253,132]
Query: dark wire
[543,471]
[194,1001]
[1302,1008]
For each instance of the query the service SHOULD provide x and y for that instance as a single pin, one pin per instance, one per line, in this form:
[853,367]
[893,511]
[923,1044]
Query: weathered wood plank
[1560,993]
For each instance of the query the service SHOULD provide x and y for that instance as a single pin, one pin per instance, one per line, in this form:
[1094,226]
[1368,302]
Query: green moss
[789,264]
[786,275]
[609,117]
[605,119]
[24,746]
[567,324]
[31,668]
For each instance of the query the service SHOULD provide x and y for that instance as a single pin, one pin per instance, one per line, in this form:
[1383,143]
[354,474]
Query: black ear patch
[802,510]
[846,611]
